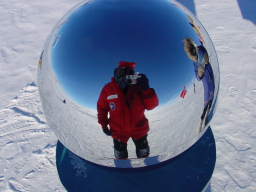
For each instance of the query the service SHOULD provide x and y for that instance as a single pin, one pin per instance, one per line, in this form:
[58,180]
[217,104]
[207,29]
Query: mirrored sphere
[144,71]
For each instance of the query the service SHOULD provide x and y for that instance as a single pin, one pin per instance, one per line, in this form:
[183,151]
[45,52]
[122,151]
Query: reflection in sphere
[131,80]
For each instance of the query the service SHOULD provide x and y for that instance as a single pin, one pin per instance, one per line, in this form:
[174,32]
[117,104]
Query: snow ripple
[27,146]
[28,114]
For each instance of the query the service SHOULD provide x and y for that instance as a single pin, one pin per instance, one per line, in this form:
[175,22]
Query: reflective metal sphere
[145,70]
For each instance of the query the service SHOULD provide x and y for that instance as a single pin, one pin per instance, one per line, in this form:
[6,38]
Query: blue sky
[101,33]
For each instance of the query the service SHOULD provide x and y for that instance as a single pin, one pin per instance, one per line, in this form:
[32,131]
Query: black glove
[107,131]
[142,82]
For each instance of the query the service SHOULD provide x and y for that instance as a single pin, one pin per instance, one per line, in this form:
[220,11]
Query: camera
[132,79]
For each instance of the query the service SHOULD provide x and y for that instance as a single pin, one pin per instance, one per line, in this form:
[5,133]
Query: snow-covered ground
[25,25]
[27,145]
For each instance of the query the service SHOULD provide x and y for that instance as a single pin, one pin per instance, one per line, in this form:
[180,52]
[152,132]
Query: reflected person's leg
[204,112]
[201,127]
[209,112]
[120,149]
[142,147]
[204,116]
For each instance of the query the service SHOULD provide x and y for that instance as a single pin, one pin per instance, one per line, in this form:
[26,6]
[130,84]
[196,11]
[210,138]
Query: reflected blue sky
[102,32]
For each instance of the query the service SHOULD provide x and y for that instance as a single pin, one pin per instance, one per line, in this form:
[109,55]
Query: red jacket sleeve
[102,108]
[150,99]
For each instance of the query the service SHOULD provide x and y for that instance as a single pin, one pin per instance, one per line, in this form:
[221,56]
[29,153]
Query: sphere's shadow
[190,171]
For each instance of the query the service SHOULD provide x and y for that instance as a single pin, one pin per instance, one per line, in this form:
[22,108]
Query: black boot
[120,150]
[142,147]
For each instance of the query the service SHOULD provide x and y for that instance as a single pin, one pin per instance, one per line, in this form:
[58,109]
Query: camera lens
[129,81]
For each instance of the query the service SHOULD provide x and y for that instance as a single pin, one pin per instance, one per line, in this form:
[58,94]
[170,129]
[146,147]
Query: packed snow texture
[27,145]
[25,25]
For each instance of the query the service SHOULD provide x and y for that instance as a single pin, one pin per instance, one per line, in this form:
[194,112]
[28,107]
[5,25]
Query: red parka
[126,110]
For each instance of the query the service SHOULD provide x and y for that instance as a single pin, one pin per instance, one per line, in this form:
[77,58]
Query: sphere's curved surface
[174,101]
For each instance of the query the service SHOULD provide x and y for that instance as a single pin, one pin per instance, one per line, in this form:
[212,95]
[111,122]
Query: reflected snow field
[168,45]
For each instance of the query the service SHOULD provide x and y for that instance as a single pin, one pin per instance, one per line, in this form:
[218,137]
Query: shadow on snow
[189,4]
[248,9]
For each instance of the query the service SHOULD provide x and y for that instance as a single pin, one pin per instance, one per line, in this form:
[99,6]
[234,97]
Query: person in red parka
[121,106]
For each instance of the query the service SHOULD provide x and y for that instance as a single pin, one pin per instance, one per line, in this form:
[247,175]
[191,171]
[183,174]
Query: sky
[85,56]
[27,154]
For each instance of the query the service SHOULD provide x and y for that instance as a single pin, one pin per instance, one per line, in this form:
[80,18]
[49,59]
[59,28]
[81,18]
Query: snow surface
[25,25]
[27,145]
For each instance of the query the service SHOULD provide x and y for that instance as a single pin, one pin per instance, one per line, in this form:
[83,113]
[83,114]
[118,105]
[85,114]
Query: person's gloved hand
[142,82]
[107,131]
